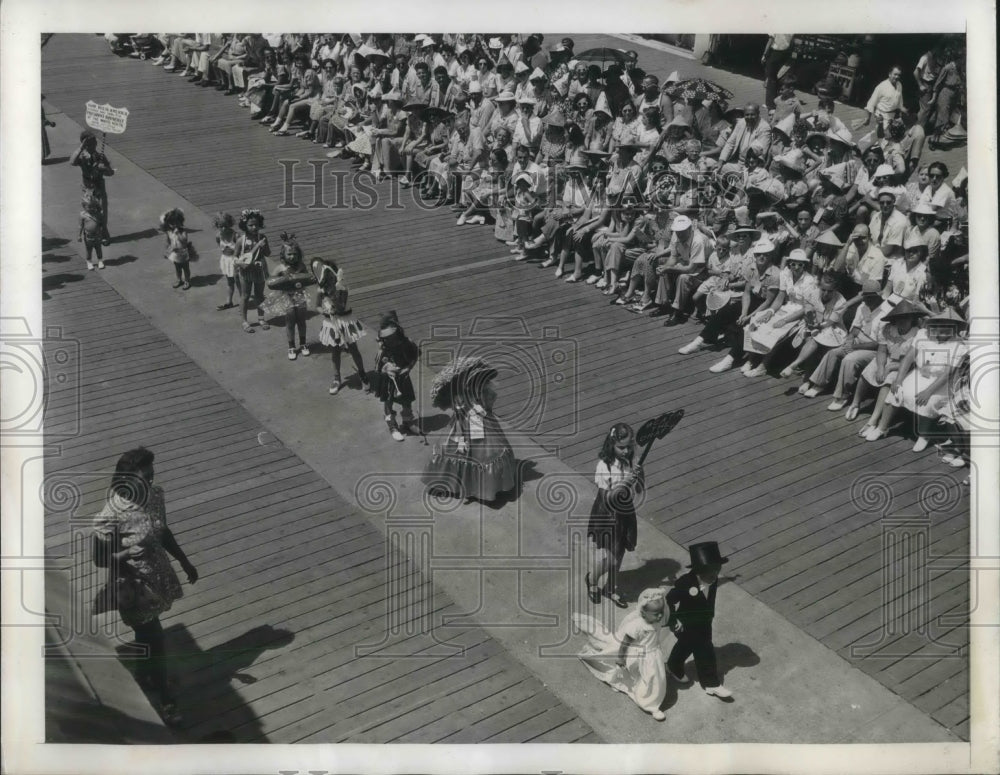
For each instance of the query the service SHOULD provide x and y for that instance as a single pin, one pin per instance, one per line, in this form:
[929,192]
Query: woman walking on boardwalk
[132,540]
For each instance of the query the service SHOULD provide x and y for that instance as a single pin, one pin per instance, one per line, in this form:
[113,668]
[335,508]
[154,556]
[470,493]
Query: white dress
[800,294]
[644,678]
[933,359]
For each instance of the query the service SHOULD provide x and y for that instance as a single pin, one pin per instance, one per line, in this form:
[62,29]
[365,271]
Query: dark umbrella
[698,89]
[602,56]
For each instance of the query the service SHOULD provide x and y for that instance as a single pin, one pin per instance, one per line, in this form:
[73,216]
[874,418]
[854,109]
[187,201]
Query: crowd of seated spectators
[779,234]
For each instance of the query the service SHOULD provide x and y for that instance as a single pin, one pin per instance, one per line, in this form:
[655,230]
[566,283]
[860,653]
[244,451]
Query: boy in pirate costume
[692,608]
[396,358]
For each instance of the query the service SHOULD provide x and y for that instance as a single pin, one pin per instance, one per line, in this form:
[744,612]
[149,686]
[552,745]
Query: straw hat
[905,309]
[798,256]
[538,75]
[913,239]
[764,246]
[883,171]
[785,125]
[829,238]
[842,136]
[836,175]
[793,161]
[923,208]
[947,316]
[505,96]
[681,223]
[458,376]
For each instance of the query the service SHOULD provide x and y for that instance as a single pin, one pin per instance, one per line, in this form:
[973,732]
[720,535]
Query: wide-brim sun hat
[457,376]
[904,309]
[681,223]
[829,238]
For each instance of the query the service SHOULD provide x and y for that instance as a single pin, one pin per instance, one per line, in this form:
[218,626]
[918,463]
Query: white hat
[798,255]
[763,246]
[573,63]
[475,87]
[883,170]
[525,176]
[681,222]
[427,42]
[923,208]
[913,239]
[505,96]
[538,75]
[672,78]
[495,43]
[887,190]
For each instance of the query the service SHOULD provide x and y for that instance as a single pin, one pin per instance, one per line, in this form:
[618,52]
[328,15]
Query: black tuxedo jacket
[692,610]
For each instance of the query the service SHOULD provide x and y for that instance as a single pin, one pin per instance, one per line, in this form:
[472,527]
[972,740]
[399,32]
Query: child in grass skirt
[286,295]
[340,331]
[476,460]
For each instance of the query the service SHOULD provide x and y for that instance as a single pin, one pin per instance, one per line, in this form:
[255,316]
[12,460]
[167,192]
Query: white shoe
[692,347]
[100,264]
[812,392]
[602,283]
[396,434]
[724,365]
[718,691]
[803,388]
[851,414]
[292,354]
[304,350]
[921,444]
[658,715]
[476,220]
[460,221]
[836,405]
[90,266]
[747,366]
[593,279]
[758,371]
[953,460]
[874,434]
[863,430]
[334,388]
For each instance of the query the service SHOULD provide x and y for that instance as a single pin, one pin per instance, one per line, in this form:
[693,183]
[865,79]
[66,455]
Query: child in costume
[396,358]
[252,250]
[612,527]
[90,230]
[630,660]
[180,251]
[476,460]
[340,330]
[225,238]
[692,608]
[285,295]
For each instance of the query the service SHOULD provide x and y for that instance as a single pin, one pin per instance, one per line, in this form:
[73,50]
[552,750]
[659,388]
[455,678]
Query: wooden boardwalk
[276,536]
[768,474]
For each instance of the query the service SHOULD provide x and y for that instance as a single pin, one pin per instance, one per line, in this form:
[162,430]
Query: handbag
[288,282]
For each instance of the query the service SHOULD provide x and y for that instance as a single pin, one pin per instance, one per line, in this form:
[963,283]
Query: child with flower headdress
[340,331]
[392,384]
[476,460]
[285,295]
[252,249]
[180,251]
[630,659]
[225,238]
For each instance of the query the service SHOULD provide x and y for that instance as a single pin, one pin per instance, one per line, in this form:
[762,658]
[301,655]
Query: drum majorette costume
[340,330]
[392,383]
[476,460]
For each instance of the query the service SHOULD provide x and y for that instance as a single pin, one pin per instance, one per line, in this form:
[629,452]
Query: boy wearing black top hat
[692,608]
[392,384]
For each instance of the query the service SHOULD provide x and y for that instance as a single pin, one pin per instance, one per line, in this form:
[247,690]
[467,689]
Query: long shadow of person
[733,655]
[653,573]
[203,680]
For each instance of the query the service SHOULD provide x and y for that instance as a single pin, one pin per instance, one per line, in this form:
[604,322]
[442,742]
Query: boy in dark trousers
[396,358]
[692,608]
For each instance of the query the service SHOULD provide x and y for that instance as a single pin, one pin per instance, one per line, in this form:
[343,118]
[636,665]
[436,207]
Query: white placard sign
[106,118]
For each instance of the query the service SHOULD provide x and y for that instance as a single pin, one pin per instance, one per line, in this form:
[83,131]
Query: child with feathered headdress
[341,330]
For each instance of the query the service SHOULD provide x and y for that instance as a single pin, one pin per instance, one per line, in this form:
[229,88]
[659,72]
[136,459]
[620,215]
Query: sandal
[247,327]
[615,598]
[593,591]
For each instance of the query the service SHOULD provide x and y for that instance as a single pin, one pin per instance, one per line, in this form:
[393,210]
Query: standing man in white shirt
[776,53]
[886,101]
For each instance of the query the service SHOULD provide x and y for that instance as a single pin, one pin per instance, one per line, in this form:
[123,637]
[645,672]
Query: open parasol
[602,56]
[698,89]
